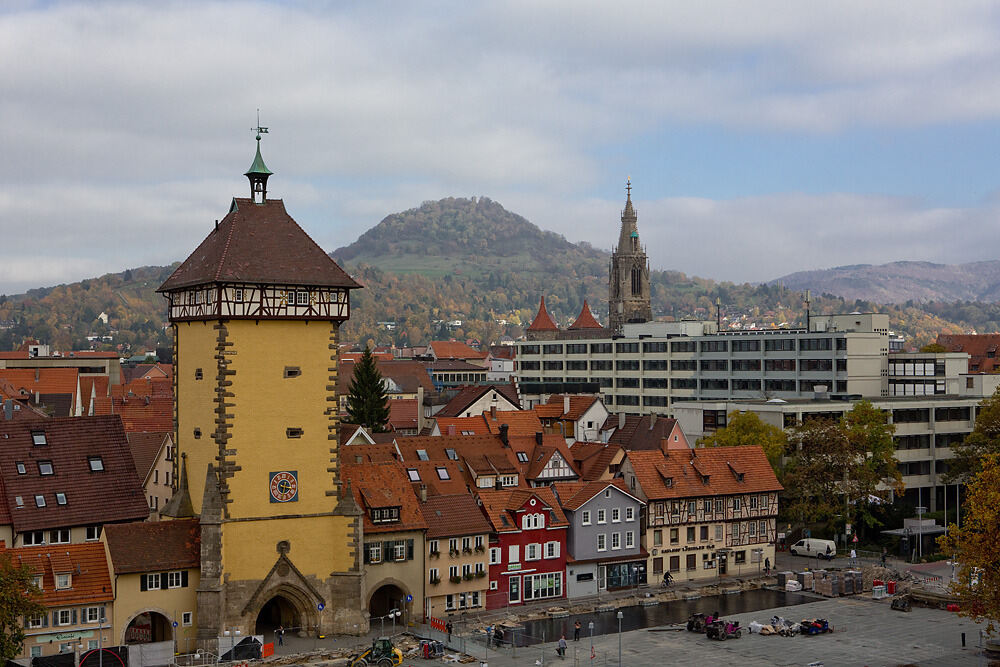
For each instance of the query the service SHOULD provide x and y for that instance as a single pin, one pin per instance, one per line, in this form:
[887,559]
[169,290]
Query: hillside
[462,268]
[900,282]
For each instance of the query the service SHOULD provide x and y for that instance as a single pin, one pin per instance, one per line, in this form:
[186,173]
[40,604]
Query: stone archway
[388,594]
[288,607]
[147,627]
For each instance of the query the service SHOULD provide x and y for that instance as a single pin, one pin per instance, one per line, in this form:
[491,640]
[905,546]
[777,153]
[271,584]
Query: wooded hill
[467,260]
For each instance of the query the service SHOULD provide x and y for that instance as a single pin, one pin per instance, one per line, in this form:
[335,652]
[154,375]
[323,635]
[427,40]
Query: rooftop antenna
[808,300]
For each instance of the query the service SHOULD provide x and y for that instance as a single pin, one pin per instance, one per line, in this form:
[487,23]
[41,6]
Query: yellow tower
[256,311]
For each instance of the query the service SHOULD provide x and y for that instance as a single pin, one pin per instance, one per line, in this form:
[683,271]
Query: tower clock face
[284,486]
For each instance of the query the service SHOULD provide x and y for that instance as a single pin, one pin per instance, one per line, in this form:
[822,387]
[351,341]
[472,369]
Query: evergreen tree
[367,404]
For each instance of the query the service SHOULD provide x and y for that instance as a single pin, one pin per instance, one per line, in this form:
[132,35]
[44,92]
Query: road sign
[855,538]
[409,598]
[321,606]
[175,624]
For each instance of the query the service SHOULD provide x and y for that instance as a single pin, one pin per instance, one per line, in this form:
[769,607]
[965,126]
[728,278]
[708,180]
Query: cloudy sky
[762,138]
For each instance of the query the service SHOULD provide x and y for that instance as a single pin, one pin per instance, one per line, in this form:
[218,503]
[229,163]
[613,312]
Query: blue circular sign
[409,598]
[175,624]
[321,606]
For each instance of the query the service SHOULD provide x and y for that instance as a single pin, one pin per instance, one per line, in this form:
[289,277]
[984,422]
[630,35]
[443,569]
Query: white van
[812,546]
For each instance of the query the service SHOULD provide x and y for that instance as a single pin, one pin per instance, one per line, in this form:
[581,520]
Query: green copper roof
[258,166]
[635,235]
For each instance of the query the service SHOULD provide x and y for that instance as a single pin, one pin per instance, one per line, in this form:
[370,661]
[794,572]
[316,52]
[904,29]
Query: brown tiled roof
[593,458]
[145,449]
[403,413]
[378,452]
[457,483]
[454,516]
[503,352]
[686,473]
[586,319]
[258,243]
[154,546]
[141,371]
[469,395]
[143,387]
[98,385]
[139,413]
[50,381]
[91,583]
[473,425]
[109,496]
[541,454]
[519,422]
[24,411]
[637,433]
[504,504]
[542,321]
[981,348]
[573,495]
[384,484]
[409,375]
[578,405]
[450,349]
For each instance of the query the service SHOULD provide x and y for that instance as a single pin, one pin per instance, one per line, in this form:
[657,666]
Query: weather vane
[259,130]
[628,181]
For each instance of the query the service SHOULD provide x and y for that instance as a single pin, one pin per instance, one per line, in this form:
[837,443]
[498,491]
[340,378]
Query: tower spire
[258,172]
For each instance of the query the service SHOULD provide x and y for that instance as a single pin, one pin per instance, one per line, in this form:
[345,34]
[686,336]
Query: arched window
[636,281]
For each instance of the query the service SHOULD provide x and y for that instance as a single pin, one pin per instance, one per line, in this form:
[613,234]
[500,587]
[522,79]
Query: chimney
[38,373]
[652,421]
[566,405]
[451,429]
[496,484]
[621,420]
[504,436]
[493,412]
[538,438]
[38,398]
[8,409]
[423,493]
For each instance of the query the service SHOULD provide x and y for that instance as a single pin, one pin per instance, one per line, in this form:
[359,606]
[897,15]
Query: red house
[528,546]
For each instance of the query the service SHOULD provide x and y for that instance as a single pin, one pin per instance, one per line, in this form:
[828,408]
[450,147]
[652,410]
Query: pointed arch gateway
[287,606]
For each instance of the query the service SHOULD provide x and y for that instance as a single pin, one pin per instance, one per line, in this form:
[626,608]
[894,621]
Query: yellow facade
[178,605]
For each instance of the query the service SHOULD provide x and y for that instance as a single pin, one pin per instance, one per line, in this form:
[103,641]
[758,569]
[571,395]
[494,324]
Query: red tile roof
[143,414]
[981,348]
[96,385]
[508,352]
[146,371]
[592,459]
[409,375]
[154,546]
[454,516]
[502,507]
[639,432]
[258,243]
[92,497]
[145,448]
[574,495]
[42,380]
[586,319]
[457,481]
[686,474]
[384,484]
[403,413]
[143,387]
[90,584]
[542,321]
[450,349]
[578,405]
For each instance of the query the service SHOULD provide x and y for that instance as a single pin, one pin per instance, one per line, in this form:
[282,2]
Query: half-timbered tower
[628,280]
[256,311]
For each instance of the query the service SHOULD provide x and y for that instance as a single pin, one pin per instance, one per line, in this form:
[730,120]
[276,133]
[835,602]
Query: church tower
[256,311]
[628,281]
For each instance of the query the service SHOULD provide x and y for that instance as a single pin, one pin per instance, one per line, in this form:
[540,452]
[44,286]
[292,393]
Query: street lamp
[920,531]
[591,626]
[394,614]
[620,616]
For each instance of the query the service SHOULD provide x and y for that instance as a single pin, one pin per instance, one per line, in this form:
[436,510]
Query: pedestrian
[497,635]
[448,627]
[829,554]
[576,631]
[280,632]
[883,556]
[767,567]
[489,635]
[562,647]
[854,558]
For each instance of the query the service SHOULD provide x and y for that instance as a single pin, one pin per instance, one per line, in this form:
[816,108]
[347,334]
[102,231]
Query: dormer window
[385,514]
[64,581]
[38,438]
[96,463]
[705,479]
[37,581]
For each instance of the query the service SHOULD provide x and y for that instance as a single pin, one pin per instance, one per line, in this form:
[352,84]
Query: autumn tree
[367,404]
[978,584]
[19,598]
[841,467]
[747,428]
[984,440]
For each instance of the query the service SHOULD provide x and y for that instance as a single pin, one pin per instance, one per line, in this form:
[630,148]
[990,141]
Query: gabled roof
[403,413]
[146,448]
[153,546]
[593,458]
[508,352]
[506,397]
[139,413]
[502,507]
[384,484]
[111,495]
[261,244]
[450,349]
[586,319]
[543,453]
[542,321]
[578,405]
[681,475]
[44,381]
[574,495]
[639,432]
[979,348]
[146,371]
[90,584]
[454,516]
[409,375]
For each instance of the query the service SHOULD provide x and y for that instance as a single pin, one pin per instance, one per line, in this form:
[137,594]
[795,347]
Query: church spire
[628,239]
[258,172]
[628,282]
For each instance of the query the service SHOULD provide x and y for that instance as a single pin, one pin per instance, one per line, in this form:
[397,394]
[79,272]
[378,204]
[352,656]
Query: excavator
[381,654]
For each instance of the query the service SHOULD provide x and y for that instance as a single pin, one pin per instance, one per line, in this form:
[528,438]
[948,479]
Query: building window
[35,622]
[585,518]
[33,538]
[691,562]
[629,539]
[531,552]
[657,538]
[96,463]
[718,533]
[45,468]
[433,576]
[616,540]
[413,474]
[675,563]
[494,555]
[173,580]
[736,504]
[40,501]
[302,298]
[630,514]
[187,618]
[93,614]
[546,585]
[21,470]
[293,432]
[442,473]
[601,516]
[552,550]
[63,581]
[292,371]
[602,542]
[703,533]
[615,515]
[674,538]
[198,374]
[38,438]
[375,552]
[59,536]
[63,617]
[93,533]
[514,554]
